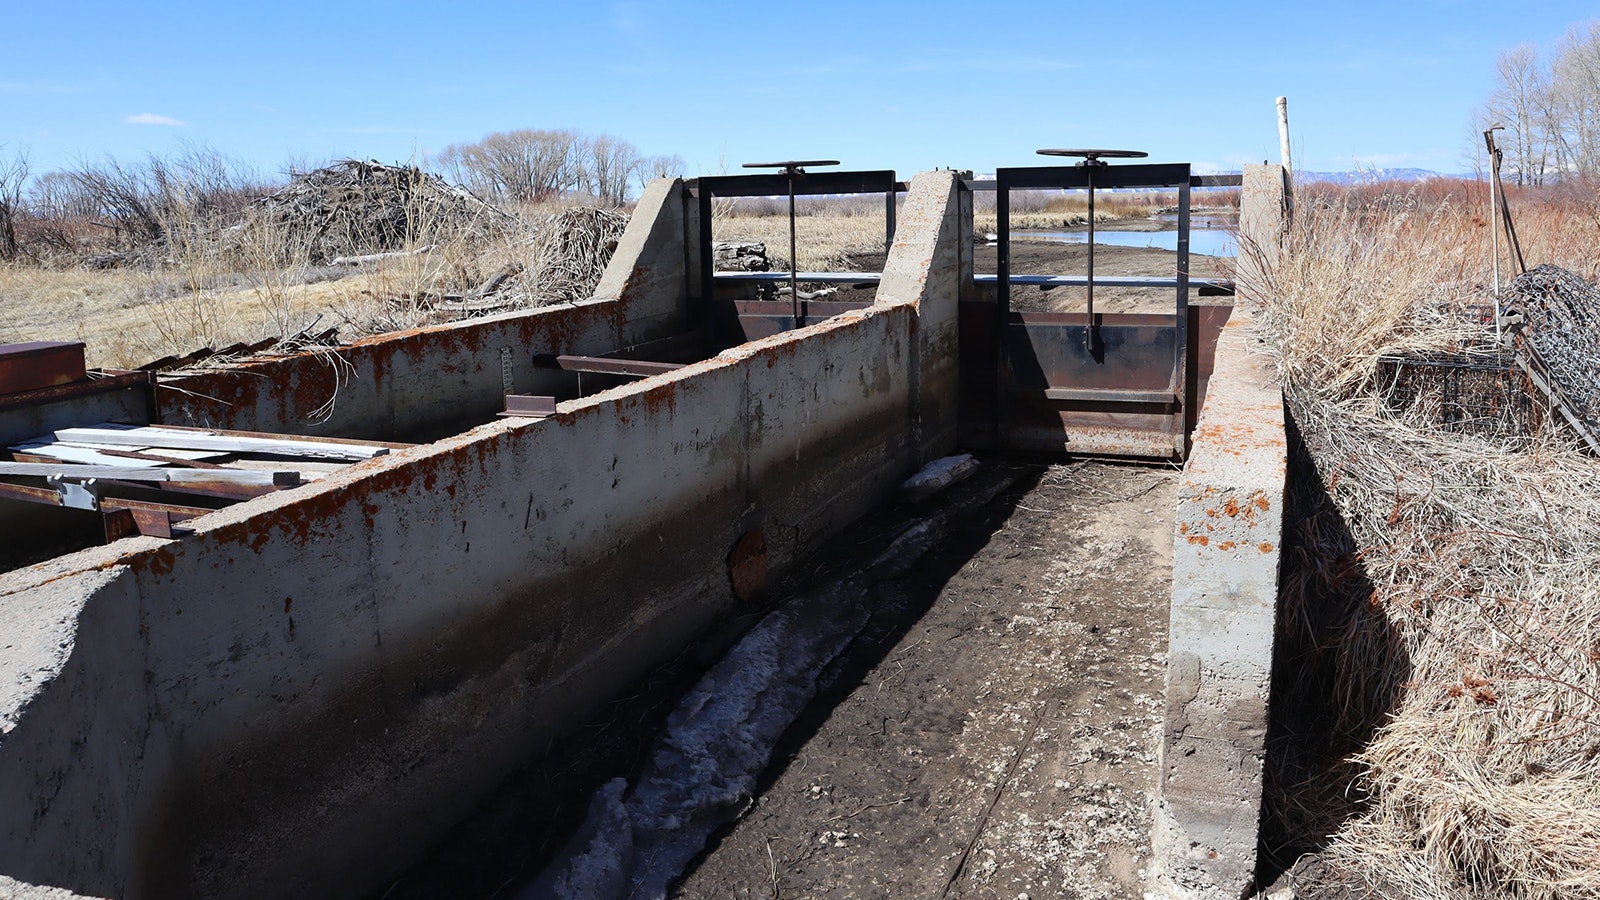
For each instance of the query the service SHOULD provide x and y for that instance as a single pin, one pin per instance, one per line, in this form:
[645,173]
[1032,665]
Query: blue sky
[909,86]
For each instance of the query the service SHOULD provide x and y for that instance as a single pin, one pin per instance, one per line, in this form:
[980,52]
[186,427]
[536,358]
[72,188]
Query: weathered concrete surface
[293,699]
[1263,223]
[928,266]
[1229,528]
[441,379]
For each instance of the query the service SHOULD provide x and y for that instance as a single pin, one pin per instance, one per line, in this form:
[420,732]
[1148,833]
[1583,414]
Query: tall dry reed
[1475,653]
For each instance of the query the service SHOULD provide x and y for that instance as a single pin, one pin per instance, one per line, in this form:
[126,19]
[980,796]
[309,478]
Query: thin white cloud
[153,119]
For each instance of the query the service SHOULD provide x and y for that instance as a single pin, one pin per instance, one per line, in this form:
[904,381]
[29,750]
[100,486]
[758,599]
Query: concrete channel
[295,694]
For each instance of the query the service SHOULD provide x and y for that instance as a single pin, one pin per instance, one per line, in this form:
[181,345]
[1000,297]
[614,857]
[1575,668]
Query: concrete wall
[430,382]
[296,697]
[1229,529]
[1263,224]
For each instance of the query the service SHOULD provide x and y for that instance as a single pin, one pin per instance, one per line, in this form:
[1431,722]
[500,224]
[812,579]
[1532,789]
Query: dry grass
[823,242]
[257,280]
[1476,654]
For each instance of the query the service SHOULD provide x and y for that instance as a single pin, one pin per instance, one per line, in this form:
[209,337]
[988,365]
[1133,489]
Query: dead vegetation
[356,208]
[167,256]
[1444,603]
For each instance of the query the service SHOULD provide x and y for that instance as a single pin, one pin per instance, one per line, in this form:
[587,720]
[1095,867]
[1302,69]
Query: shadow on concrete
[1337,669]
[527,822]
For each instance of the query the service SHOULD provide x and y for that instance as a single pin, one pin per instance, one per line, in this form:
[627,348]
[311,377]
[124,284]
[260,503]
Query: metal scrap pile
[356,207]
[1560,312]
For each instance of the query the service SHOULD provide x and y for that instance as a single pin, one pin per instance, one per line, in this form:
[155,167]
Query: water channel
[1208,235]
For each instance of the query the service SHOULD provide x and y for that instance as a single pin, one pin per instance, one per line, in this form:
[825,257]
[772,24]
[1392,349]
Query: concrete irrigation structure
[303,690]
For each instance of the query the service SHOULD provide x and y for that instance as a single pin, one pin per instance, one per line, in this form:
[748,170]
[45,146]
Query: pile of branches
[1446,601]
[569,253]
[360,207]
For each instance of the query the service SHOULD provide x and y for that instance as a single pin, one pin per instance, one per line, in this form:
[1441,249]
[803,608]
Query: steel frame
[1094,370]
[706,188]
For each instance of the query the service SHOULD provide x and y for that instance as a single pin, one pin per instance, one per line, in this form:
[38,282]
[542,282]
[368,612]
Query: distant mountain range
[1370,176]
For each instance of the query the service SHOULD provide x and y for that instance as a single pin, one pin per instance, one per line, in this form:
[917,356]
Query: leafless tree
[612,164]
[164,197]
[13,176]
[1550,108]
[1576,85]
[1524,89]
[526,165]
[671,166]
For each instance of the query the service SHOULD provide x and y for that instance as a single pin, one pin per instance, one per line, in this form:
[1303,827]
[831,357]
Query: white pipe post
[1283,134]
[1287,157]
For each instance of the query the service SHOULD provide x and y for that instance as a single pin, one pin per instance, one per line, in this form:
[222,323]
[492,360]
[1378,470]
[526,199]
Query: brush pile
[355,207]
[1450,600]
[569,253]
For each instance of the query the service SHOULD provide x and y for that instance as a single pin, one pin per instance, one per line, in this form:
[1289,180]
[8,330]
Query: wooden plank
[96,454]
[272,436]
[155,436]
[78,454]
[130,473]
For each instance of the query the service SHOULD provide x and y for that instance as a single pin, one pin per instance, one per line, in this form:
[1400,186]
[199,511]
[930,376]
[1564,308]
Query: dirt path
[992,732]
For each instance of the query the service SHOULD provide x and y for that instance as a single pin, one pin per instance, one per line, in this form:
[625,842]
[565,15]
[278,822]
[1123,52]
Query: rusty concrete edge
[131,551]
[619,272]
[1240,451]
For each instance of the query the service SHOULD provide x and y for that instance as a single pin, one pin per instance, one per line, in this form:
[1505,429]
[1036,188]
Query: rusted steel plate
[74,390]
[815,309]
[753,326]
[530,406]
[40,364]
[861,278]
[1127,356]
[611,366]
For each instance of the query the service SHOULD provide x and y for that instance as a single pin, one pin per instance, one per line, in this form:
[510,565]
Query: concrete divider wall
[1226,552]
[312,685]
[932,246]
[441,379]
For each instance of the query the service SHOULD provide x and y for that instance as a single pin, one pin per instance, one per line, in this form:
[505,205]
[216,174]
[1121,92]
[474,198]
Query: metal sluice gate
[1090,383]
[1083,383]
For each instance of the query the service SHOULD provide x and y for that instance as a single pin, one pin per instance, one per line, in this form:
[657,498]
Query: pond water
[1207,236]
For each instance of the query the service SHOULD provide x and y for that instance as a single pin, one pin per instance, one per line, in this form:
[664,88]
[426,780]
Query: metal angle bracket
[74,495]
